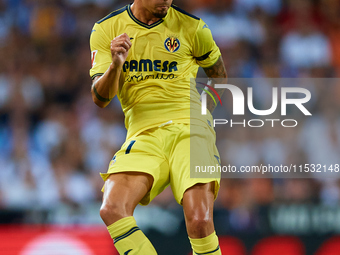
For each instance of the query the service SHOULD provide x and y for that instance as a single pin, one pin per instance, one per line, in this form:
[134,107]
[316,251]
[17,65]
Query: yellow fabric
[162,59]
[207,245]
[121,226]
[168,153]
[129,239]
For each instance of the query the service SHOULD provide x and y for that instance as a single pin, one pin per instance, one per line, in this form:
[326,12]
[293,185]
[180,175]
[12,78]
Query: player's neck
[143,14]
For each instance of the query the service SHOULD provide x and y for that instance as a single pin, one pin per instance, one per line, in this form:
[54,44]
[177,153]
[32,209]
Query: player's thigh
[127,188]
[199,199]
[198,204]
[122,193]
[196,146]
[142,154]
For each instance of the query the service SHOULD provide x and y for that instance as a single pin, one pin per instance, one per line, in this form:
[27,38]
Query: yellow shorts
[164,152]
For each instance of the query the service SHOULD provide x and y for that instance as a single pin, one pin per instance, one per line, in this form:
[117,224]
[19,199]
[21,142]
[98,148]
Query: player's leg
[195,145]
[122,193]
[137,173]
[198,202]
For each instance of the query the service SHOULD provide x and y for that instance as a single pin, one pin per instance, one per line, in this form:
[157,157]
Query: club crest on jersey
[113,160]
[172,44]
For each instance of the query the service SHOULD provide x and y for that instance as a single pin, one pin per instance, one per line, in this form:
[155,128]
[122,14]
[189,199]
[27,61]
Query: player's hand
[120,49]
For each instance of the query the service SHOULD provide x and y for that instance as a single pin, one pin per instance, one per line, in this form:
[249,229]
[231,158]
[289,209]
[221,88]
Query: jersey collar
[140,22]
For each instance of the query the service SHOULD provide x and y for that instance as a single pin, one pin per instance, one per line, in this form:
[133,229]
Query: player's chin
[161,12]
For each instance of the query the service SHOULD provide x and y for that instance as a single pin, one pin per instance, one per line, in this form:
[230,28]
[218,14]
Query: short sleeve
[205,50]
[100,51]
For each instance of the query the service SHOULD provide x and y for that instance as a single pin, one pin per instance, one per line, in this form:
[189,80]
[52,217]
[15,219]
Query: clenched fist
[120,49]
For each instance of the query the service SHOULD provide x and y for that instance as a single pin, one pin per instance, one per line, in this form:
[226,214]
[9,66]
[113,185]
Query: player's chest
[158,44]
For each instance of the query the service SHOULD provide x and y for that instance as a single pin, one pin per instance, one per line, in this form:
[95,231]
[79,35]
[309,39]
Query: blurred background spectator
[54,141]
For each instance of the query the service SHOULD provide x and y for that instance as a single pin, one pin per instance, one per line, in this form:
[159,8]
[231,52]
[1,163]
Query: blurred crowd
[54,140]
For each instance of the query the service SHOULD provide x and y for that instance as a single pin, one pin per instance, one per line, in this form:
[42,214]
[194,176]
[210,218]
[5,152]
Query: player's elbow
[98,102]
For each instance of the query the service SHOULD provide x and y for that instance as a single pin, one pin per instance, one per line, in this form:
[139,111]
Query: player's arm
[105,87]
[217,71]
[208,56]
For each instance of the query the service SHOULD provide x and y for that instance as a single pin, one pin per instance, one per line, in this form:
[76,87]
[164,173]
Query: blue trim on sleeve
[128,149]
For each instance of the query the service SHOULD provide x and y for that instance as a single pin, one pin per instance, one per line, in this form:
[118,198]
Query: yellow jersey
[164,56]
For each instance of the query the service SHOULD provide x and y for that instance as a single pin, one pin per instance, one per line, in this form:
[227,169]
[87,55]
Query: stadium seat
[279,245]
[330,247]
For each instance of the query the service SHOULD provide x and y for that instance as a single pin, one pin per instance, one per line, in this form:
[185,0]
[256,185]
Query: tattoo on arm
[99,97]
[217,71]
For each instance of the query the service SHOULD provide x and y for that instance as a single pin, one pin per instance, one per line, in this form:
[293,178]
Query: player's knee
[113,212]
[199,224]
